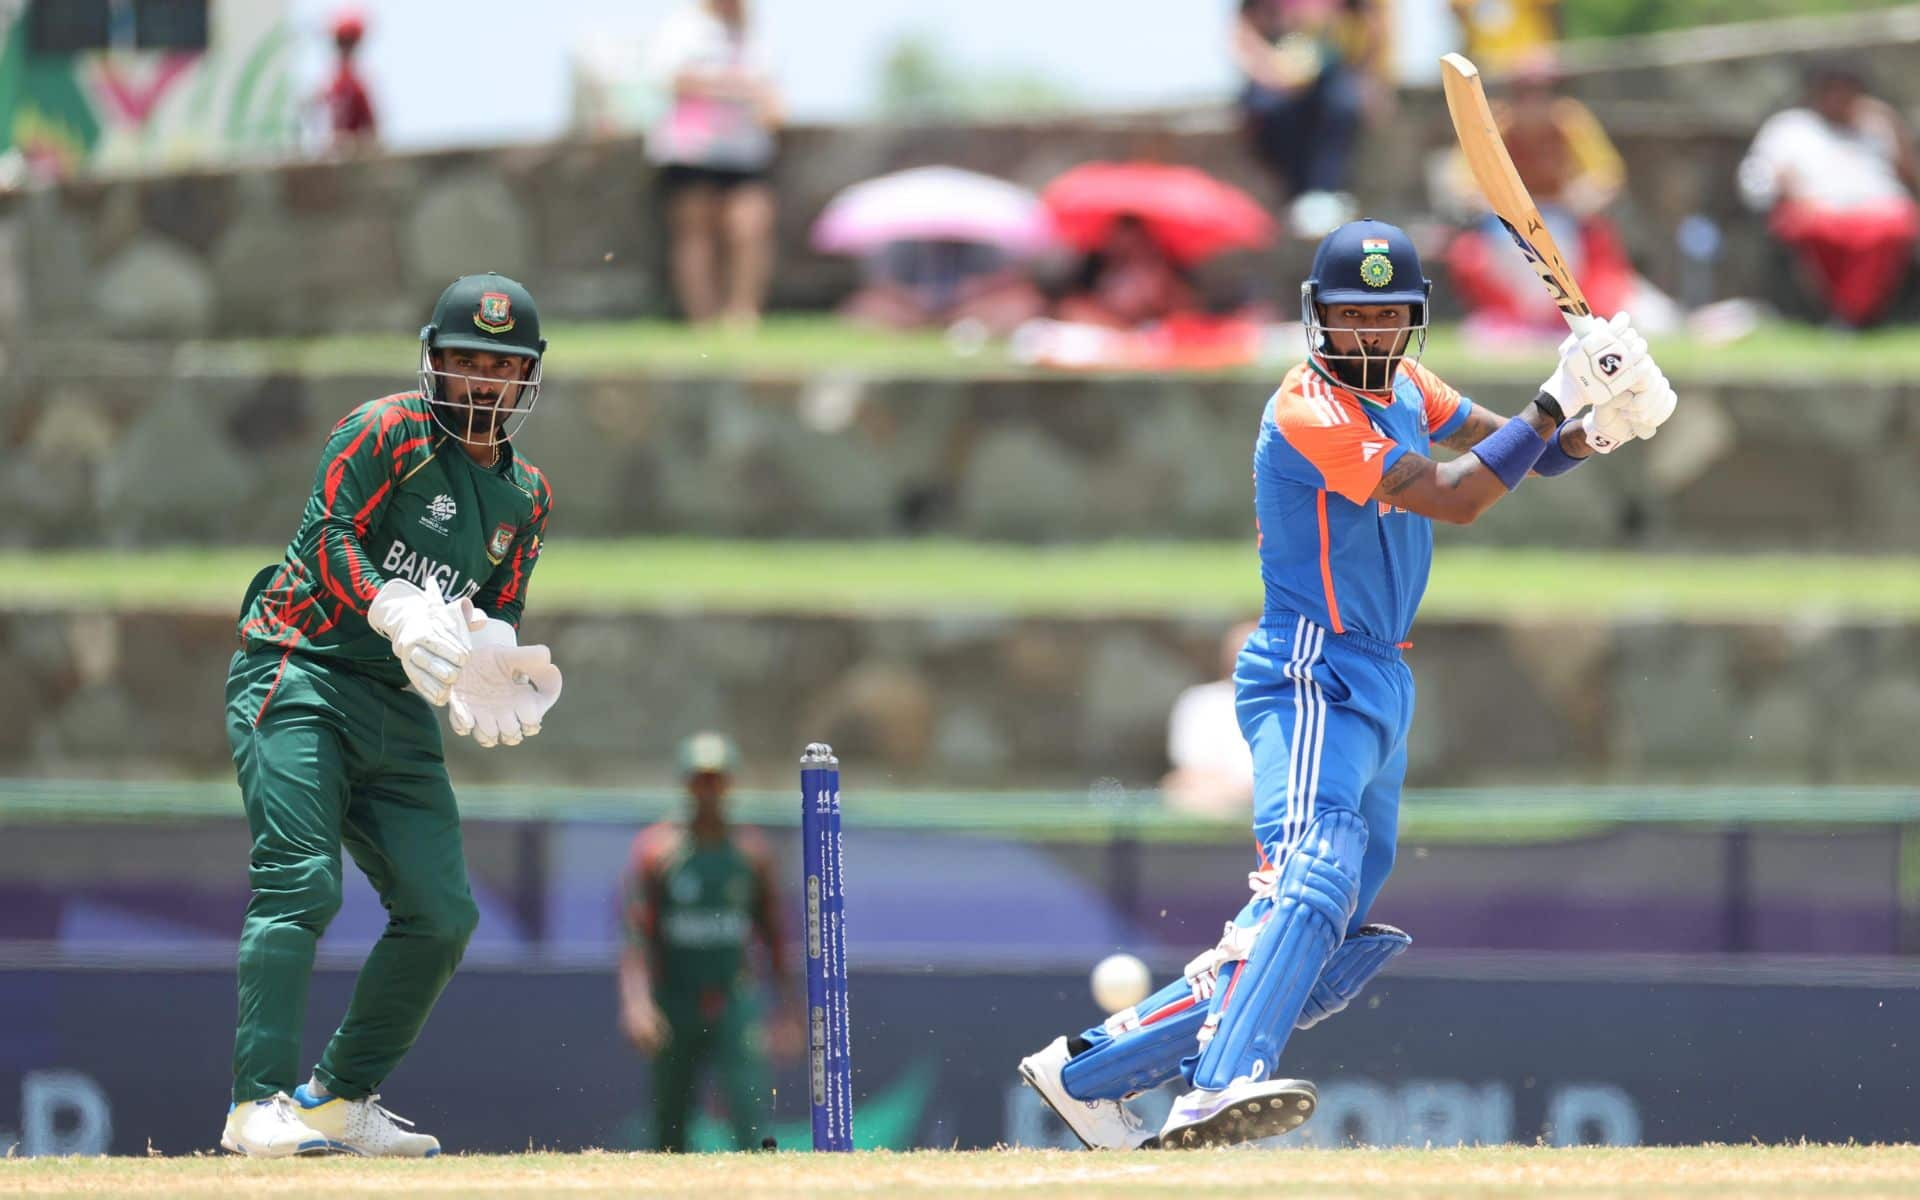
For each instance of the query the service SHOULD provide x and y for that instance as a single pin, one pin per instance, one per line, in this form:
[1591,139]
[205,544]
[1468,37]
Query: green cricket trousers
[328,756]
[728,1041]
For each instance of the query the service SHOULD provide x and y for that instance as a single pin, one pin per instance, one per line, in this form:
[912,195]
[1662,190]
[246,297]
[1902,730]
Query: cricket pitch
[1497,1171]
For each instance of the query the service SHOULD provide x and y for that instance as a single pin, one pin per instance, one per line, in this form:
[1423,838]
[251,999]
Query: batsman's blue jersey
[1328,552]
[1321,692]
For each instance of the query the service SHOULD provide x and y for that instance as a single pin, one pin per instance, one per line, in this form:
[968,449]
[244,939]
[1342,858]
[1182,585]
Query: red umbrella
[1192,215]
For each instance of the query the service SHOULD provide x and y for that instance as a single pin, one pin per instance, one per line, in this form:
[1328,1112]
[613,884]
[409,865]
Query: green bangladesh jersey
[694,907]
[396,497]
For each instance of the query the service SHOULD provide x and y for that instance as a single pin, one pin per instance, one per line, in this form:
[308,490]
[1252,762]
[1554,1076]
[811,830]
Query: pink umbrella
[943,204]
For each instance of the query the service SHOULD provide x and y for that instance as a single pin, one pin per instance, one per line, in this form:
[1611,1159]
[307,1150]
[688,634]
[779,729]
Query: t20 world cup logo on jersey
[440,510]
[495,314]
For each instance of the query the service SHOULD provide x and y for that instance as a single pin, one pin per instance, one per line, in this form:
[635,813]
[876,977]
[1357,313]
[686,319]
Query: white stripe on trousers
[1309,736]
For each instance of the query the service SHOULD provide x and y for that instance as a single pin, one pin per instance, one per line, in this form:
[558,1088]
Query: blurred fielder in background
[401,590]
[1345,495]
[697,892]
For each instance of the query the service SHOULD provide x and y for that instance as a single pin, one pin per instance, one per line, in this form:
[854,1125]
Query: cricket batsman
[1346,493]
[401,591]
[698,893]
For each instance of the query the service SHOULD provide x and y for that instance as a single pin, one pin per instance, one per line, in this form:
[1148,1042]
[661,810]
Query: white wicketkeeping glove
[504,694]
[1636,414]
[429,634]
[1594,367]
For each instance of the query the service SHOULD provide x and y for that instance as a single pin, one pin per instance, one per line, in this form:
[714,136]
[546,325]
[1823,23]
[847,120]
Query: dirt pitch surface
[1503,1171]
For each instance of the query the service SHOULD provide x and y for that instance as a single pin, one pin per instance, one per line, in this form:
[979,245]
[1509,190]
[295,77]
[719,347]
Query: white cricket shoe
[271,1128]
[1245,1110]
[1099,1124]
[362,1126]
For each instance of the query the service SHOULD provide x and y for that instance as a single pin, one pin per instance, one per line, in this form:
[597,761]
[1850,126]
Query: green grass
[803,345]
[890,577]
[1486,816]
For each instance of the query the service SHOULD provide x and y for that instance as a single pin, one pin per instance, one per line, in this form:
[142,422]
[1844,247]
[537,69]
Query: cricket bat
[1493,170]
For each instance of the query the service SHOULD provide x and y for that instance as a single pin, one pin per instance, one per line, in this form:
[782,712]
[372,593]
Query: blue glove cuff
[1510,451]
[1557,461]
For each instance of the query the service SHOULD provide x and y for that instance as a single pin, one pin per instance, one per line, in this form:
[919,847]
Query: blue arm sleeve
[1554,460]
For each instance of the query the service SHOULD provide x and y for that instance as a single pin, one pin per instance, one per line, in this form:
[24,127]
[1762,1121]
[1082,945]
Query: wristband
[1510,451]
[1556,461]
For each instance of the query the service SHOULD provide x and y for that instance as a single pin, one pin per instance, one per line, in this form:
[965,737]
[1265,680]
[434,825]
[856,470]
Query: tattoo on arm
[1480,423]
[1457,491]
[1402,474]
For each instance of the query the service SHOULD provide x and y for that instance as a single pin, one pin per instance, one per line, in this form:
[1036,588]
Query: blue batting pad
[1314,898]
[1364,954]
[1120,1064]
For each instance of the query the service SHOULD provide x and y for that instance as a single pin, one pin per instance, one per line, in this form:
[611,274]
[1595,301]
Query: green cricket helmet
[495,315]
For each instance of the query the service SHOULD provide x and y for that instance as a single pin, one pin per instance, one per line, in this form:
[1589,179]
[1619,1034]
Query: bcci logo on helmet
[495,314]
[1376,270]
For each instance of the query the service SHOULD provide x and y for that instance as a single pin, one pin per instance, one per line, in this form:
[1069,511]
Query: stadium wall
[982,698]
[230,251]
[90,453]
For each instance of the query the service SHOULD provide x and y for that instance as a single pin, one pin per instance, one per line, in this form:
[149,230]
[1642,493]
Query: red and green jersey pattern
[395,497]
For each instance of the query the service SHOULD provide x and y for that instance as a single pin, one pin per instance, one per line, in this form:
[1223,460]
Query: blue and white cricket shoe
[362,1126]
[271,1128]
[1099,1124]
[1246,1110]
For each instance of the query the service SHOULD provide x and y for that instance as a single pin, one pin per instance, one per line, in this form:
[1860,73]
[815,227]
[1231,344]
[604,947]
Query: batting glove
[1597,365]
[1636,414]
[428,633]
[504,694]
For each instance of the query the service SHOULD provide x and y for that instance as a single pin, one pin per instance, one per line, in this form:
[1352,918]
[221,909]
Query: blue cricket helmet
[1367,262]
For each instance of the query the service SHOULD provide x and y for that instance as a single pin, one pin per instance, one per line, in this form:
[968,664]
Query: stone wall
[993,701]
[121,456]
[362,245]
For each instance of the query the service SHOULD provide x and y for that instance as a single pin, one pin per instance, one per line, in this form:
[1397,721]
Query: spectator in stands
[351,125]
[1574,173]
[938,284]
[1497,34]
[714,146]
[1129,282]
[1836,178]
[1212,771]
[1313,69]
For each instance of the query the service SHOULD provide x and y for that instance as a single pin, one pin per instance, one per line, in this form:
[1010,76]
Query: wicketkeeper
[1346,494]
[401,591]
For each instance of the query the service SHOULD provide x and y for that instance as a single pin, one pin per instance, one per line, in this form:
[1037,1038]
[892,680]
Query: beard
[480,421]
[1373,374]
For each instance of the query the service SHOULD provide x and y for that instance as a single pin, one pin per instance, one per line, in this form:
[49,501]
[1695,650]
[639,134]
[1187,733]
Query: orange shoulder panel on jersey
[1443,399]
[652,847]
[1332,434]
[753,846]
